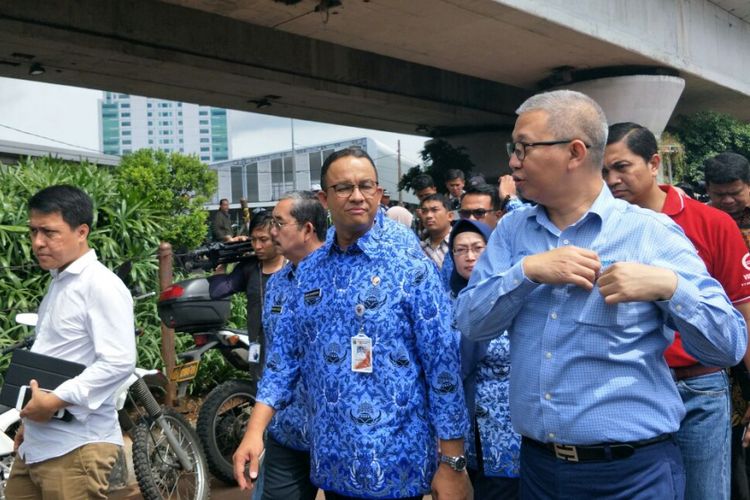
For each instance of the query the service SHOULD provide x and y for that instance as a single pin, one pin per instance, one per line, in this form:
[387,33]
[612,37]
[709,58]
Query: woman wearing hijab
[492,448]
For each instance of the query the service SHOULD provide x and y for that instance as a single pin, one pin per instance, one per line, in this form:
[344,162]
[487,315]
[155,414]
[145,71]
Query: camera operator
[251,277]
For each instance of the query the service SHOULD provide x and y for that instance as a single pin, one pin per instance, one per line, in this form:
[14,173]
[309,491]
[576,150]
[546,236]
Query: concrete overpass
[453,68]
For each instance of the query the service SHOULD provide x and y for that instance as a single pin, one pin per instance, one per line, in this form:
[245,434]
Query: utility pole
[398,148]
[294,159]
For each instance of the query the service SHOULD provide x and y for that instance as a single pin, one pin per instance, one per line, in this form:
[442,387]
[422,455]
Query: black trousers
[287,473]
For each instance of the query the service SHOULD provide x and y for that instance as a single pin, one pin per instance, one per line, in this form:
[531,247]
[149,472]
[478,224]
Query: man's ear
[323,198]
[578,152]
[83,231]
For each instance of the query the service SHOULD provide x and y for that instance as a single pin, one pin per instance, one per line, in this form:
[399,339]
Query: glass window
[127,141]
[205,139]
[315,163]
[204,131]
[203,113]
[126,114]
[251,182]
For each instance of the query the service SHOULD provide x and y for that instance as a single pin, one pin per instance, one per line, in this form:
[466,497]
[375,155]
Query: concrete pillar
[648,100]
[486,150]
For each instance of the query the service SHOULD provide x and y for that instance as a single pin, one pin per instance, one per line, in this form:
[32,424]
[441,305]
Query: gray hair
[573,115]
[307,208]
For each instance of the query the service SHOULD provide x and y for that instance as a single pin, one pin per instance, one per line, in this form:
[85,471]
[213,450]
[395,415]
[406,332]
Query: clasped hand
[620,282]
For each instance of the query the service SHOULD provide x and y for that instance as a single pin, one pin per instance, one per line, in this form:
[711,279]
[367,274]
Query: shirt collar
[601,208]
[368,243]
[674,202]
[77,266]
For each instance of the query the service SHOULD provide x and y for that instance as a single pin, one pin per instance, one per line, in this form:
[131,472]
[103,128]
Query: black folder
[48,371]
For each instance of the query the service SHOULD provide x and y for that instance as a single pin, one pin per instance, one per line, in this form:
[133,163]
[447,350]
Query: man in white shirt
[85,317]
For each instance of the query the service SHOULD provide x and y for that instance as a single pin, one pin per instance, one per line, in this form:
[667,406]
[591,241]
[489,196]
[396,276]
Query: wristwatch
[458,463]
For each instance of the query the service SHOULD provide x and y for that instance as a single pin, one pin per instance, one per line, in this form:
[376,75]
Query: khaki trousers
[81,474]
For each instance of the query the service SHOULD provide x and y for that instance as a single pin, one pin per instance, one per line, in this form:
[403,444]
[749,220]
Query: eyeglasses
[464,251]
[345,190]
[478,213]
[279,224]
[519,148]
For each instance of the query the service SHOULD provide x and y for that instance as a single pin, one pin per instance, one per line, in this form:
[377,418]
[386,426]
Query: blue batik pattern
[289,426]
[501,446]
[373,435]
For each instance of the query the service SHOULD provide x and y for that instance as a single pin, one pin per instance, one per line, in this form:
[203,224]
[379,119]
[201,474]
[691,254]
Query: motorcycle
[187,307]
[168,459]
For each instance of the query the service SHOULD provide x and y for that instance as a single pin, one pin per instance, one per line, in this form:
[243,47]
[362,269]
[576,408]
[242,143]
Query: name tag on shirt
[361,353]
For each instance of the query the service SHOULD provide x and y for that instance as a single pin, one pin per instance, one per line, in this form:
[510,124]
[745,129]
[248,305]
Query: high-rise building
[262,179]
[129,123]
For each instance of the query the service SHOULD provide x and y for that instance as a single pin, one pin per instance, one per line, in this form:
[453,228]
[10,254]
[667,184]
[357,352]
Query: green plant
[130,218]
[176,183]
[707,133]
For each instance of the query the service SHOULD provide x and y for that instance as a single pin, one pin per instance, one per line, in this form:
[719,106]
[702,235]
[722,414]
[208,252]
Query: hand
[220,269]
[451,485]
[506,186]
[235,239]
[745,437]
[249,450]
[634,282]
[563,266]
[18,438]
[42,404]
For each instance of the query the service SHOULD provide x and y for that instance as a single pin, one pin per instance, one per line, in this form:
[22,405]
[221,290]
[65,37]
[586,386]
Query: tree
[438,156]
[707,133]
[177,183]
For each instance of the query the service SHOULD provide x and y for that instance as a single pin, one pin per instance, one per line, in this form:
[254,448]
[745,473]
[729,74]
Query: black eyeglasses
[345,190]
[478,213]
[519,148]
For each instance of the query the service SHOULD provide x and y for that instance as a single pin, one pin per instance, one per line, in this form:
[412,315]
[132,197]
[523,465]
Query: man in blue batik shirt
[585,284]
[368,334]
[298,228]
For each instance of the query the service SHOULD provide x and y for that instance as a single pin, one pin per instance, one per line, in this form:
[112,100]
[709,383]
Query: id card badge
[253,353]
[361,353]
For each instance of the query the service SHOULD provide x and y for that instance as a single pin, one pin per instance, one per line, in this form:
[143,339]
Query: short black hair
[639,140]
[260,220]
[354,151]
[307,208]
[726,168]
[422,181]
[485,190]
[73,204]
[437,197]
[223,200]
[453,174]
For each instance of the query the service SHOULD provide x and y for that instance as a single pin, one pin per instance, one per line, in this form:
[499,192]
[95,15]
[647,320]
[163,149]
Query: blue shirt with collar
[585,372]
[373,435]
[289,424]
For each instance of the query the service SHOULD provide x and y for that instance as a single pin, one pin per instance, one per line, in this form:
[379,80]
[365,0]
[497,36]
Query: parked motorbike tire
[221,424]
[157,469]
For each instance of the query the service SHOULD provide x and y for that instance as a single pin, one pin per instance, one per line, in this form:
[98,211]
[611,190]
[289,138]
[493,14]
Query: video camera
[213,254]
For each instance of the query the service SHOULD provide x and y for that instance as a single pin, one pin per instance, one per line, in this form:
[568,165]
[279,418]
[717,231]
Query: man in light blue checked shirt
[585,284]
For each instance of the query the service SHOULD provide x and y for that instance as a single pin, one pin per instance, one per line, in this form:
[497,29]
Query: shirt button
[548,396]
[553,315]
[515,282]
[678,307]
[551,435]
[548,355]
[566,242]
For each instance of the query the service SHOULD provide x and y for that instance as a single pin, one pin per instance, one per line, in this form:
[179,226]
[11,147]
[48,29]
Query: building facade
[263,179]
[129,123]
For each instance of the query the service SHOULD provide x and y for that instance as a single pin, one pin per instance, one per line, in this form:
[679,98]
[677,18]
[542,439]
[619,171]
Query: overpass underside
[433,67]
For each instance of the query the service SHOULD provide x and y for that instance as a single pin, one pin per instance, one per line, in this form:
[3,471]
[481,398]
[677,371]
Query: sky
[70,115]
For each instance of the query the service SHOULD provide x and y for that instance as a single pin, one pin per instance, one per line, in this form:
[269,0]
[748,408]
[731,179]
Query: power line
[48,138]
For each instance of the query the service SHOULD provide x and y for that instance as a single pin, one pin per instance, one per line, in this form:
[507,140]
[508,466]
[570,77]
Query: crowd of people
[576,330]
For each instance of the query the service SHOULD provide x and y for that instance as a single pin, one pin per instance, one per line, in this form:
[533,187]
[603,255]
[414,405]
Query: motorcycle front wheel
[221,424]
[158,470]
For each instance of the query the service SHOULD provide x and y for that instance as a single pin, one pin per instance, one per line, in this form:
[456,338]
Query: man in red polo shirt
[631,163]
